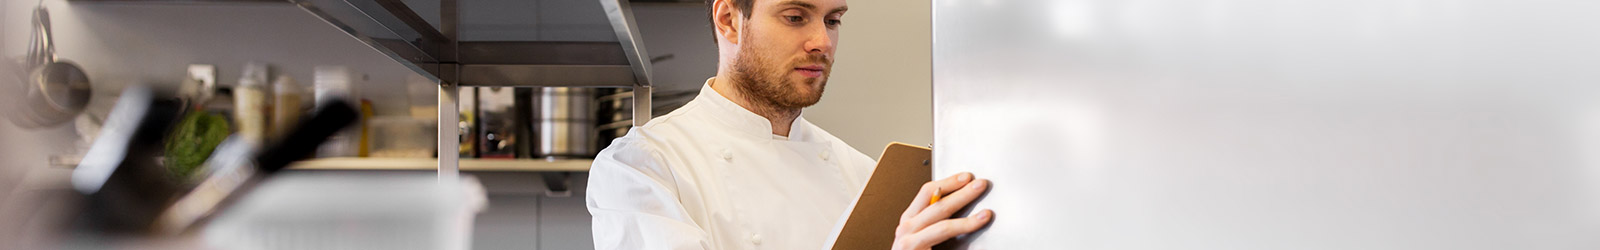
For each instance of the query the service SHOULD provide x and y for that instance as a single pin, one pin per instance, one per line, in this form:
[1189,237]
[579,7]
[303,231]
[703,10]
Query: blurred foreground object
[235,167]
[130,201]
[310,210]
[123,183]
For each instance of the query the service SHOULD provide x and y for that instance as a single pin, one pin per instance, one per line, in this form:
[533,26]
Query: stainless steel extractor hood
[532,43]
[589,43]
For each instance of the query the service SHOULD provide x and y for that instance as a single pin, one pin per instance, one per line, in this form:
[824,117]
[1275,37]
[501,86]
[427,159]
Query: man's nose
[818,41]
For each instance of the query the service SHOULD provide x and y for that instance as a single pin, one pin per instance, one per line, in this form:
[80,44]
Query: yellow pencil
[935,195]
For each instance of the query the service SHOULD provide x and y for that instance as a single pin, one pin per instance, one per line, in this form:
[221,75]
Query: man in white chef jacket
[739,167]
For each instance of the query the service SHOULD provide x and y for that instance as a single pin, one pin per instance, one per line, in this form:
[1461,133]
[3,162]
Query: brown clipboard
[900,173]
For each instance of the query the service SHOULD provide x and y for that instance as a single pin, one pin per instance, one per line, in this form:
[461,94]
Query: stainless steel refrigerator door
[1274,124]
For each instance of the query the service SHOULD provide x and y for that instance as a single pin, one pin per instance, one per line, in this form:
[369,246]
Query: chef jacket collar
[745,122]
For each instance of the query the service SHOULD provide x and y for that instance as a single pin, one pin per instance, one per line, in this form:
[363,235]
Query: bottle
[250,101]
[286,105]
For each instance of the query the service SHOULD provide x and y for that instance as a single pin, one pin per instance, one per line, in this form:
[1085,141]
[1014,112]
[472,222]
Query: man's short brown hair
[744,6]
[741,5]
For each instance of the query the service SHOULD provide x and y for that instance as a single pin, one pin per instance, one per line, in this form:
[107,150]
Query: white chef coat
[711,175]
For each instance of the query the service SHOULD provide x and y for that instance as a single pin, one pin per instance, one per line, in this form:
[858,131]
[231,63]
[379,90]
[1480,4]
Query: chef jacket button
[727,155]
[823,155]
[755,239]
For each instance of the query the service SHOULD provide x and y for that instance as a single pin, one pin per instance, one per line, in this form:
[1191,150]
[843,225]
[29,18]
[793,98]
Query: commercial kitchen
[980,124]
[567,70]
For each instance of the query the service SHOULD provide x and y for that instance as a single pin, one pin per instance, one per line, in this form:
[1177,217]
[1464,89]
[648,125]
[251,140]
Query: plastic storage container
[401,137]
[350,211]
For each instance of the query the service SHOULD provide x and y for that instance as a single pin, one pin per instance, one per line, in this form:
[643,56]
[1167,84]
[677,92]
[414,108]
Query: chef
[739,167]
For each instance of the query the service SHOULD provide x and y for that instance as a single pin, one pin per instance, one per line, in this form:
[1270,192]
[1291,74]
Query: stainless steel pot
[564,122]
[616,111]
[616,116]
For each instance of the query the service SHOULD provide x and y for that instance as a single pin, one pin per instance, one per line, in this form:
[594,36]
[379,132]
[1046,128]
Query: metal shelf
[475,165]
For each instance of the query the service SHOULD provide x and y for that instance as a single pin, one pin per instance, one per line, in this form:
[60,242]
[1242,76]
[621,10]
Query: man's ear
[727,20]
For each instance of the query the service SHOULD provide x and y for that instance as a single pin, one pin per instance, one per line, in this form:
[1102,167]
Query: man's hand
[924,225]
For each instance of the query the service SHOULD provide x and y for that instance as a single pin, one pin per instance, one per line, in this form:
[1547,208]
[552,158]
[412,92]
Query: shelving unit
[409,32]
[406,35]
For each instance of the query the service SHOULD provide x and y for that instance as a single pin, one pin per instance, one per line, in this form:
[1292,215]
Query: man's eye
[795,19]
[834,22]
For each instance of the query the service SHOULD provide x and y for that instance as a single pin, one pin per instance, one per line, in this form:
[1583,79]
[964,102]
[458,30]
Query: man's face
[786,51]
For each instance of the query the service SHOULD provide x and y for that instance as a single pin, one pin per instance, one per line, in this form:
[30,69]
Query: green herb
[192,142]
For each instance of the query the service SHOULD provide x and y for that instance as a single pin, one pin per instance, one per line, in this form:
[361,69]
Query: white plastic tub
[321,210]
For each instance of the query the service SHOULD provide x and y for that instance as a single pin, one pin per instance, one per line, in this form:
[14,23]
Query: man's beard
[768,83]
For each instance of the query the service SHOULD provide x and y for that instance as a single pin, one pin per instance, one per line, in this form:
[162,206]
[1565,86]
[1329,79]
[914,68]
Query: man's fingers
[916,206]
[947,229]
[948,205]
[924,225]
[943,187]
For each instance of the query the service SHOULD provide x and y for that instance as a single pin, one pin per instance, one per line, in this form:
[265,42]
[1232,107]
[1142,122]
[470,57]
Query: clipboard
[870,224]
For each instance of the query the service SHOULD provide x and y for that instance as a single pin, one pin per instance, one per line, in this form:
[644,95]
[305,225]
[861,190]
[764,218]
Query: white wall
[881,88]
